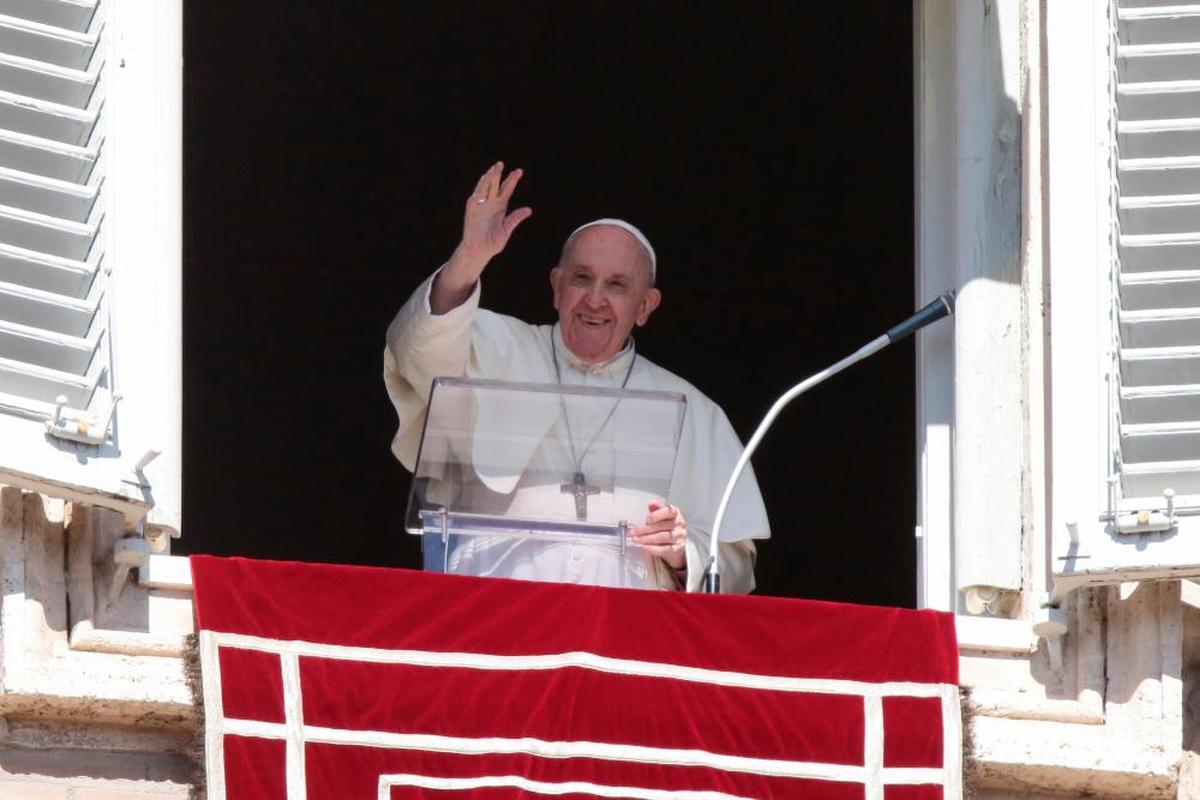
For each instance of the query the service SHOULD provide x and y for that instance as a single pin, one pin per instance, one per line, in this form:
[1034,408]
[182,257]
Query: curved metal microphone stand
[943,306]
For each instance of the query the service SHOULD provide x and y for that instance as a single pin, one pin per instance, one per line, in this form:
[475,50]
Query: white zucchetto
[623,225]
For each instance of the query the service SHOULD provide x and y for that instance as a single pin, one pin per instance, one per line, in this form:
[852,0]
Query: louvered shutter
[1158,254]
[90,240]
[54,337]
[1123,230]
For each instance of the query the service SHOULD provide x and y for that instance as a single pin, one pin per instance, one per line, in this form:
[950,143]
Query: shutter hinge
[82,428]
[1148,520]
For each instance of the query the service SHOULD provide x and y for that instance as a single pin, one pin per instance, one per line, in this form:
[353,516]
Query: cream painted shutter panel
[54,337]
[90,252]
[1158,253]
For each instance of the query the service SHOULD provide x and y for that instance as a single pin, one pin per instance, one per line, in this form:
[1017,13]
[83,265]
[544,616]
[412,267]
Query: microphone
[943,306]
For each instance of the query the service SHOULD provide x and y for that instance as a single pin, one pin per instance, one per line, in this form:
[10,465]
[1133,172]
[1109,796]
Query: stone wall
[1111,722]
[93,698]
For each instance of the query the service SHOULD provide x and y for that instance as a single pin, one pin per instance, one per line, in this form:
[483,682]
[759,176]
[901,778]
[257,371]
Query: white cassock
[474,343]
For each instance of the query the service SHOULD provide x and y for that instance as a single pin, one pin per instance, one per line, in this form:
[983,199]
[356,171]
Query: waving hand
[487,226]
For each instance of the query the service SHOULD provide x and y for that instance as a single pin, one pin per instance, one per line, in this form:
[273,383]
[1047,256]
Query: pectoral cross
[581,489]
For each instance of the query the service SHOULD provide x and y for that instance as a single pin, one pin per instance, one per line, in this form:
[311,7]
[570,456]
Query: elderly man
[603,287]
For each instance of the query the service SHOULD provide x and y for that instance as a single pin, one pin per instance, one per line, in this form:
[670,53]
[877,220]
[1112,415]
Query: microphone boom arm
[941,307]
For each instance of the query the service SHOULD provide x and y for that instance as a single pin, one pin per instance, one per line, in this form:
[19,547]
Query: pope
[603,286]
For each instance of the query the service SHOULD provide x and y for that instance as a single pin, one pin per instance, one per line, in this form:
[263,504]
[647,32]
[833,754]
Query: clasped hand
[663,534]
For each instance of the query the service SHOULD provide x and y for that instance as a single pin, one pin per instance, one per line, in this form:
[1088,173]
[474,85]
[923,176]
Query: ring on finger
[480,200]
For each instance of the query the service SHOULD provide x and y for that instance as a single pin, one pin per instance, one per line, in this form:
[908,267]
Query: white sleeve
[707,454]
[736,568]
[421,346]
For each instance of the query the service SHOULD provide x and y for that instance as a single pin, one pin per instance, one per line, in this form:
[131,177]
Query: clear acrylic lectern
[540,481]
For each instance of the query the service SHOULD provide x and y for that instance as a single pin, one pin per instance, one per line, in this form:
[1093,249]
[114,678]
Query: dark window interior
[765,148]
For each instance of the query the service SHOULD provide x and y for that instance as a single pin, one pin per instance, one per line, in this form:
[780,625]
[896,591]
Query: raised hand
[486,221]
[487,226]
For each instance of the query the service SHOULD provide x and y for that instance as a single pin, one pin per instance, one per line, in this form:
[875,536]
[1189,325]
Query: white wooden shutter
[90,240]
[1123,158]
[54,332]
[1158,254]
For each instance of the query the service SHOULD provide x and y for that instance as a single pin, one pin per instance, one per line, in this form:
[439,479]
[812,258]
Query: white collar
[619,363]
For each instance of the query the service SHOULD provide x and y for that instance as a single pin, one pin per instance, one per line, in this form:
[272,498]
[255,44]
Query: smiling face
[602,289]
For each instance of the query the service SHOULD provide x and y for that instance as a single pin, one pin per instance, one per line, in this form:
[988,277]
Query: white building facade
[1058,185]
[93,697]
[1058,180]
